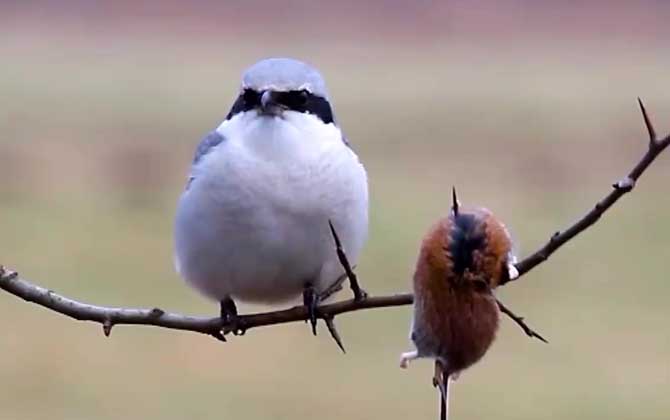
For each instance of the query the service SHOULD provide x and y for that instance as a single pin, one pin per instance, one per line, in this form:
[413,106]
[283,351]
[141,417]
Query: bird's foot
[311,301]
[441,381]
[441,378]
[359,293]
[437,376]
[407,357]
[229,319]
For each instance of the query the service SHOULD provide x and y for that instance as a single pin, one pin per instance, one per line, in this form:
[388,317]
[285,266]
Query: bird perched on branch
[463,258]
[253,221]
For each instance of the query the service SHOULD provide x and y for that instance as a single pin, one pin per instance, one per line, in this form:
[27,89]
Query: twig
[109,317]
[620,188]
[520,322]
[359,294]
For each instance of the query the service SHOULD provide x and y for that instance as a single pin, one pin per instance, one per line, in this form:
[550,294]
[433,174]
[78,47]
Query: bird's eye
[251,97]
[296,99]
[302,96]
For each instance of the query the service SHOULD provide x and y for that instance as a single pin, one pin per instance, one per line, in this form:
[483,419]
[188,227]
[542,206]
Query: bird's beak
[512,272]
[266,99]
[269,103]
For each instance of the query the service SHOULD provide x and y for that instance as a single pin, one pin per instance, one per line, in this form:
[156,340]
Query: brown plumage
[463,257]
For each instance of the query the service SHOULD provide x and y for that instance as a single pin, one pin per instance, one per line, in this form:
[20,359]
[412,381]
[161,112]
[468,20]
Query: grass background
[97,125]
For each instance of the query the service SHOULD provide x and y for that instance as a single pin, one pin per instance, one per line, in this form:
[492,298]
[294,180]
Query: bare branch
[619,189]
[108,317]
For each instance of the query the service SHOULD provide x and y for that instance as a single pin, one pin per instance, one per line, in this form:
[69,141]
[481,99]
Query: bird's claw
[441,378]
[311,302]
[407,357]
[230,321]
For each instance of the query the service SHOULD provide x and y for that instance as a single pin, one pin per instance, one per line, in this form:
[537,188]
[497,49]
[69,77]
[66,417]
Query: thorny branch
[108,316]
[619,188]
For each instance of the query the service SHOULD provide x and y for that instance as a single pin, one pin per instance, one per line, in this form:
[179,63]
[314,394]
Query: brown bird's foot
[407,357]
[359,294]
[229,318]
[311,301]
[441,381]
[438,377]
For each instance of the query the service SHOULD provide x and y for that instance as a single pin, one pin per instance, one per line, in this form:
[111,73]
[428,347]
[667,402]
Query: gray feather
[284,74]
[209,142]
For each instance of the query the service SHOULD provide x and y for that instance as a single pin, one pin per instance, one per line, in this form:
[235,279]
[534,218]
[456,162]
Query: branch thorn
[107,327]
[359,294]
[219,336]
[454,201]
[330,323]
[156,313]
[647,122]
[520,322]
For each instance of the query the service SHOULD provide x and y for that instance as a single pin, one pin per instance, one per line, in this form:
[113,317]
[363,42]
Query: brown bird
[463,257]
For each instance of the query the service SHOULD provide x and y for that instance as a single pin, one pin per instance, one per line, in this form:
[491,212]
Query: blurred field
[96,134]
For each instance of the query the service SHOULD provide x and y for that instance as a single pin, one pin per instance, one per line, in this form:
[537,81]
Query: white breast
[254,222]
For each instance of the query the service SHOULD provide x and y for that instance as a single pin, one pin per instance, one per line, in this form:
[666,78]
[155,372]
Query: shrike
[253,221]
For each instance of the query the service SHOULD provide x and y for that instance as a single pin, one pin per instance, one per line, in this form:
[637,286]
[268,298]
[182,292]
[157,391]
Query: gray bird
[253,221]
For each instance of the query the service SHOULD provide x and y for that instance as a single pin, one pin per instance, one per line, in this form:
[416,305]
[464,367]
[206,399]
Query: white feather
[253,223]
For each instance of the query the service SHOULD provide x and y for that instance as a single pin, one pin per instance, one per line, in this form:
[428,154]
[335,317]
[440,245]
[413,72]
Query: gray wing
[206,145]
[209,142]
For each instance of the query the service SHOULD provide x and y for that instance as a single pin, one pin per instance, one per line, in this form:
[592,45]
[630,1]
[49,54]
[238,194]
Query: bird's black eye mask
[294,100]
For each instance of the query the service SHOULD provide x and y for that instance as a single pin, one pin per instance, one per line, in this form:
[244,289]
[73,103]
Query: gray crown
[284,74]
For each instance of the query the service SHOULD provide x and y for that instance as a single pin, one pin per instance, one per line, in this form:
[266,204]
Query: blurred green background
[529,109]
